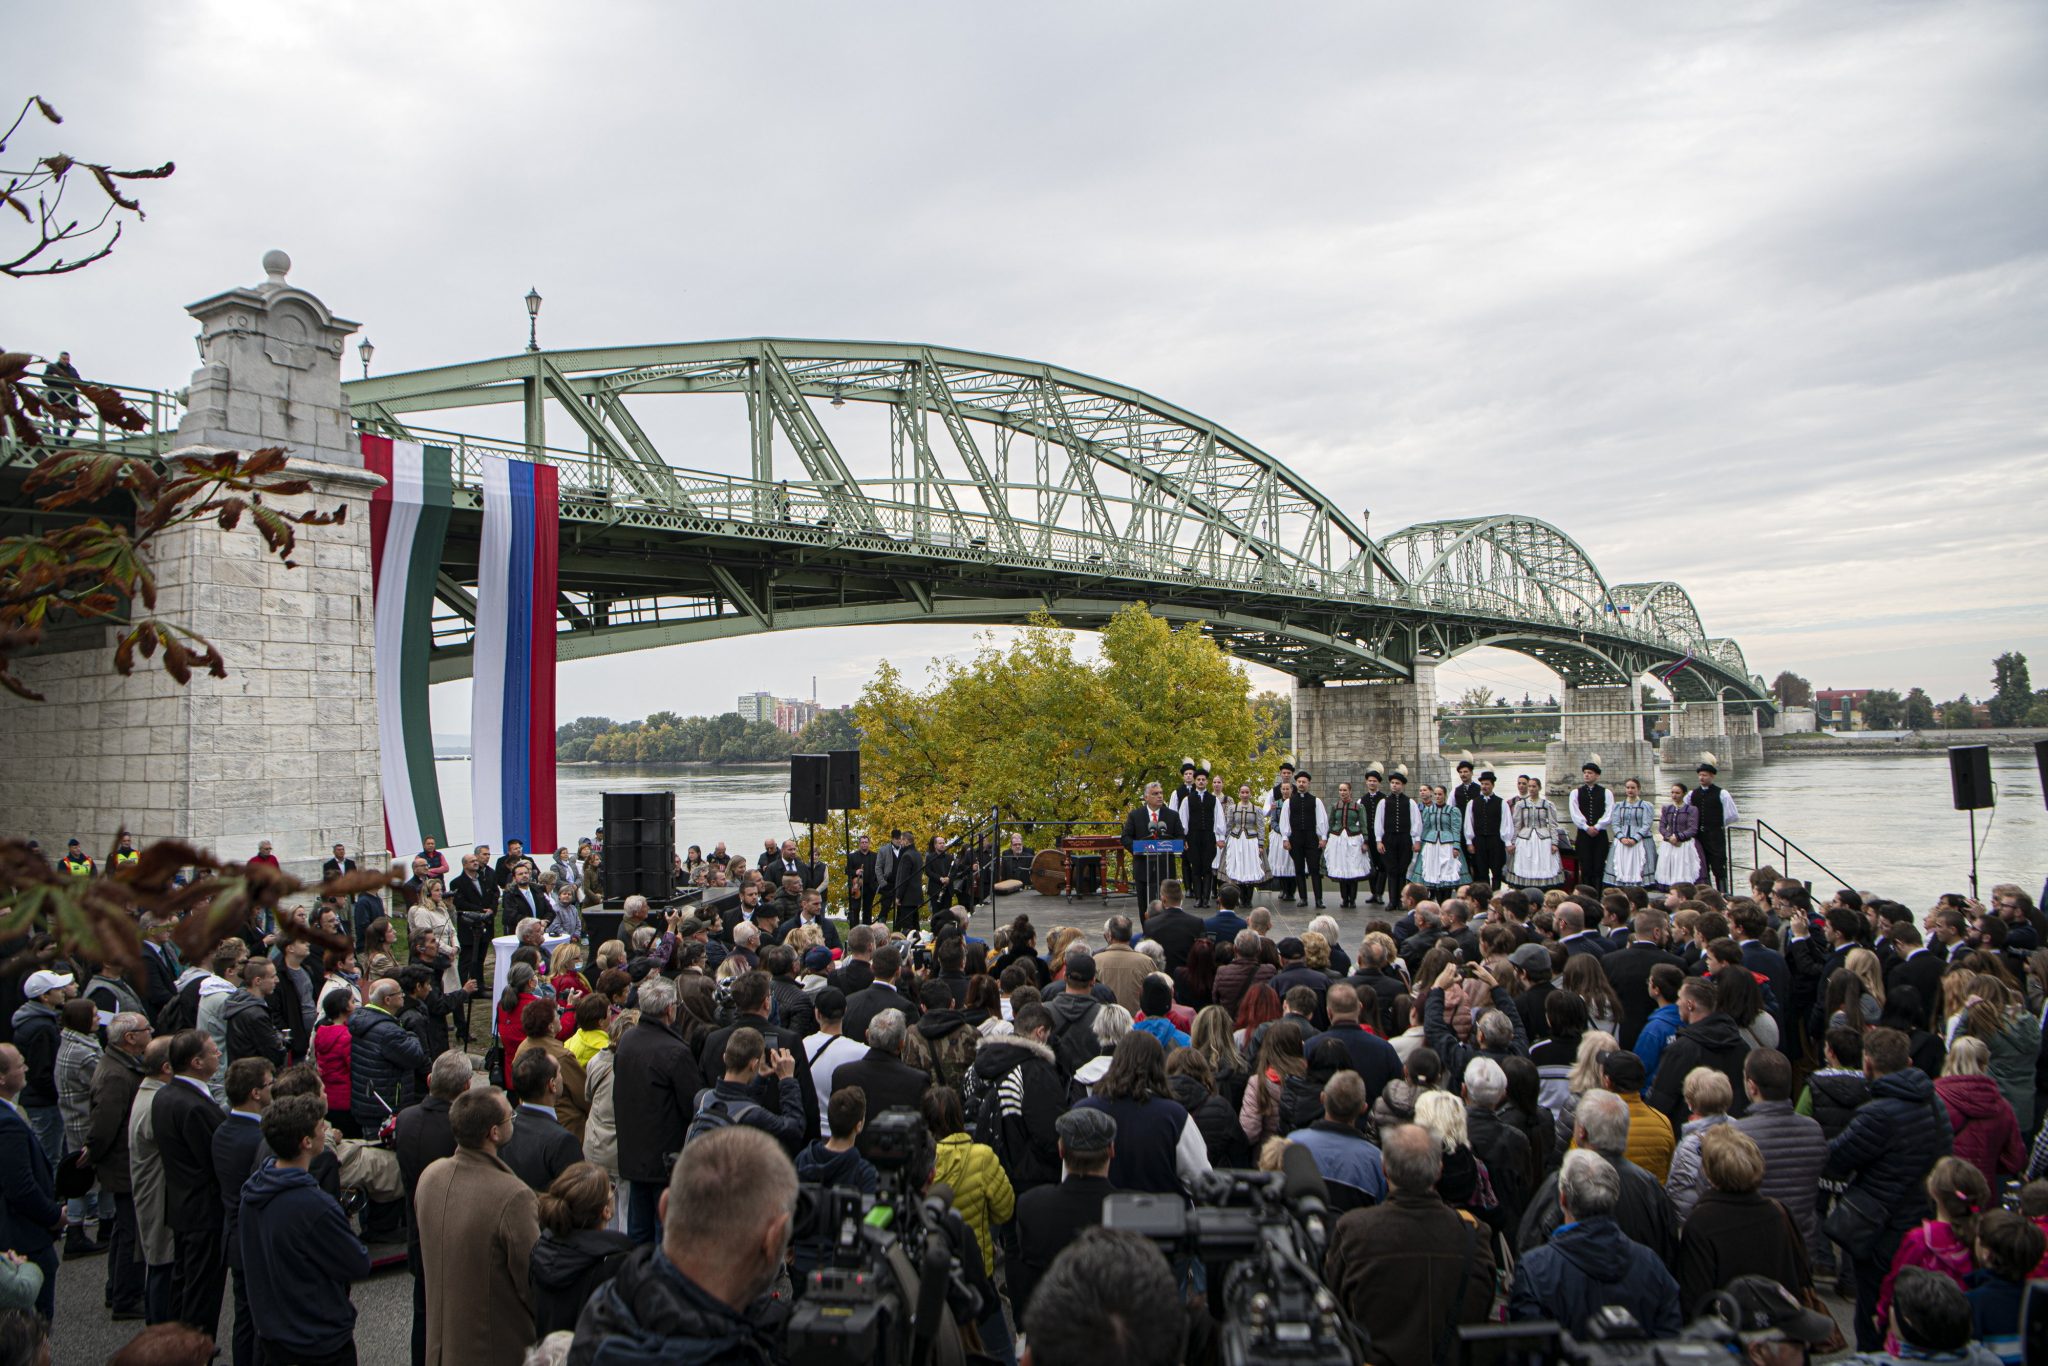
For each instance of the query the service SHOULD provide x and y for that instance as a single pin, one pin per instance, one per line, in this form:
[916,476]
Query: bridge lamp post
[366,351]
[532,319]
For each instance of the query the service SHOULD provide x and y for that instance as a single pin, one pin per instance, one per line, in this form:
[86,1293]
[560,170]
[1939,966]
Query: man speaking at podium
[1152,821]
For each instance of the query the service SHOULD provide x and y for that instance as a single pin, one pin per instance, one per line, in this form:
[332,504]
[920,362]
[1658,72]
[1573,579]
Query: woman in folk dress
[1344,858]
[1279,862]
[1439,852]
[1678,840]
[1533,861]
[1632,859]
[1243,825]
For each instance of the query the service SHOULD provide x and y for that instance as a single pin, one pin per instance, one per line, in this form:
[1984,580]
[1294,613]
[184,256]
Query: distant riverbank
[1890,742]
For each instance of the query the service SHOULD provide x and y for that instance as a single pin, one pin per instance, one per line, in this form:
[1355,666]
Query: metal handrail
[159,409]
[1760,834]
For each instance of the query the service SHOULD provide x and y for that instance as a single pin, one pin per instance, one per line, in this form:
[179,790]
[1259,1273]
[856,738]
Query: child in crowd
[2008,1248]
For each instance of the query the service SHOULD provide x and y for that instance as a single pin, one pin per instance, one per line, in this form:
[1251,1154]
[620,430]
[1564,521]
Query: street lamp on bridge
[366,351]
[532,319]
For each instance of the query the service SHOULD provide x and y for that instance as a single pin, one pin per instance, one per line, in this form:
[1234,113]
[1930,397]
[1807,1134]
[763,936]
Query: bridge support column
[286,747]
[1698,728]
[1607,721]
[1339,728]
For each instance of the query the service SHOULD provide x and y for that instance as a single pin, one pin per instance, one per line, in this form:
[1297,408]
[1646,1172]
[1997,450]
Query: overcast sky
[1746,296]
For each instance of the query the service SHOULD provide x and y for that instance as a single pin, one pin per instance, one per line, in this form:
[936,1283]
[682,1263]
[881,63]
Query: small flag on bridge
[512,701]
[408,526]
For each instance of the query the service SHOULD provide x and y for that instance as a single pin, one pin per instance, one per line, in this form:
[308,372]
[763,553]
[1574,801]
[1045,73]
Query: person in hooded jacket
[1023,1098]
[1885,1153]
[949,1040]
[1708,1038]
[1589,1263]
[836,1161]
[576,1253]
[251,1027]
[1835,1092]
[1192,1082]
[299,1252]
[1987,1135]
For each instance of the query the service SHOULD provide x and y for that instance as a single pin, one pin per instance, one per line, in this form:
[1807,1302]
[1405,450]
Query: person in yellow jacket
[77,862]
[982,1194]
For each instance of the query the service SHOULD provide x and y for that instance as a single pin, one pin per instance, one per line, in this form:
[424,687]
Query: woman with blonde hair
[1585,1076]
[1864,964]
[432,914]
[1994,1012]
[1062,938]
[1214,1037]
[1465,1183]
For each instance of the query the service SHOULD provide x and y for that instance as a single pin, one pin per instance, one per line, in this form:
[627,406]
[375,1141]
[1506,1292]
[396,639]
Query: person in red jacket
[1987,1132]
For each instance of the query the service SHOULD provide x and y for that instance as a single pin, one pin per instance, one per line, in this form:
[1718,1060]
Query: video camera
[880,1272]
[1613,1337]
[1264,1234]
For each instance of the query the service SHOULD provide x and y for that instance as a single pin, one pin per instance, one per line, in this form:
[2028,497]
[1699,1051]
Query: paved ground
[85,1336]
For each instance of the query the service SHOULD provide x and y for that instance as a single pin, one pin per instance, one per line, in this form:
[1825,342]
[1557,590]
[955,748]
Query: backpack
[181,1011]
[714,1113]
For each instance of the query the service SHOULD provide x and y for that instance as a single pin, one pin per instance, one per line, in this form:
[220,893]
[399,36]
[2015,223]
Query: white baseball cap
[41,984]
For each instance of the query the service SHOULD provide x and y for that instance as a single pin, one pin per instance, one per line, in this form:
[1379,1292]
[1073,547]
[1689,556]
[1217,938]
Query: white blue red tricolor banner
[512,706]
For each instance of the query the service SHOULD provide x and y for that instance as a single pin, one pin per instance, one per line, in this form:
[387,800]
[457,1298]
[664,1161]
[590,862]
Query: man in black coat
[751,993]
[887,1080]
[1750,922]
[1628,971]
[1920,969]
[521,900]
[906,883]
[1371,1056]
[656,1080]
[1154,820]
[1175,930]
[339,864]
[1051,1216]
[476,904]
[540,1148]
[236,1144]
[423,1135]
[1198,817]
[883,993]
[1708,1038]
[860,882]
[185,1117]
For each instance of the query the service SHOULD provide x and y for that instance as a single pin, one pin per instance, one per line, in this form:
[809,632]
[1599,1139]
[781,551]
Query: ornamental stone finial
[276,265]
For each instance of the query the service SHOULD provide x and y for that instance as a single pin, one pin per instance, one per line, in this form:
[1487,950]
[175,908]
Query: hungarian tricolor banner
[512,706]
[408,525]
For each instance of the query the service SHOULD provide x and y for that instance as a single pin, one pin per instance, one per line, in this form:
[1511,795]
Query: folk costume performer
[1632,862]
[1345,854]
[1244,830]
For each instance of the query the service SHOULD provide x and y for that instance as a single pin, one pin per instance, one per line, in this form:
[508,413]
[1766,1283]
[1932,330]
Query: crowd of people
[1525,1106]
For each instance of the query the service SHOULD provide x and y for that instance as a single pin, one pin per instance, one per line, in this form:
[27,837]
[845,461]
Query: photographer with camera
[726,1219]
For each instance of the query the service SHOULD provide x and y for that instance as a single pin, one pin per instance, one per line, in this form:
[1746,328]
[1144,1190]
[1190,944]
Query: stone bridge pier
[1339,728]
[1697,728]
[1607,721]
[285,747]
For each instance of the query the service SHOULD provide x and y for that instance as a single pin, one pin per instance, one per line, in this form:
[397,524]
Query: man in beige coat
[478,1224]
[1120,967]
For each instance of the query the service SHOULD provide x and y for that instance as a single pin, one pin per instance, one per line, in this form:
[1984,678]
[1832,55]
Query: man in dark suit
[185,1118]
[540,1149]
[1051,1216]
[522,900]
[1758,956]
[906,883]
[339,864]
[881,994]
[1573,934]
[1224,925]
[1628,972]
[31,1216]
[1920,969]
[860,882]
[751,993]
[160,963]
[235,1145]
[1154,820]
[887,1080]
[1173,927]
[514,855]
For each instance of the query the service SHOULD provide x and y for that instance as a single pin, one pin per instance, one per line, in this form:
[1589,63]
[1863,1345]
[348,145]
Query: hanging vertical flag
[512,702]
[408,526]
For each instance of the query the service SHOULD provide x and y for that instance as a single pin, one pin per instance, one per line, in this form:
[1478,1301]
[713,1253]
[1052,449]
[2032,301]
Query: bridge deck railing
[84,429]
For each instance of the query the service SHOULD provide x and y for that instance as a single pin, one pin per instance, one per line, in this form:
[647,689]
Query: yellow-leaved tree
[1028,727]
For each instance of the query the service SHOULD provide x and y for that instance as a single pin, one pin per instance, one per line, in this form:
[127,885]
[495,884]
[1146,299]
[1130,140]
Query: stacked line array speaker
[2041,762]
[843,785]
[639,845]
[1969,776]
[809,777]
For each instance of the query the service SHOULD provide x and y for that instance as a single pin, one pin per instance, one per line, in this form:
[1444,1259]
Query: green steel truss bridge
[988,489]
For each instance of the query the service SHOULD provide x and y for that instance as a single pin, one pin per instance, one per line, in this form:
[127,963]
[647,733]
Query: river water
[1881,822]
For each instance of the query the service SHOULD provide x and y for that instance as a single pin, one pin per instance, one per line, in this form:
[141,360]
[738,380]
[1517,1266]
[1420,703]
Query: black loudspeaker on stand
[1969,777]
[843,783]
[809,776]
[639,846]
[2041,763]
